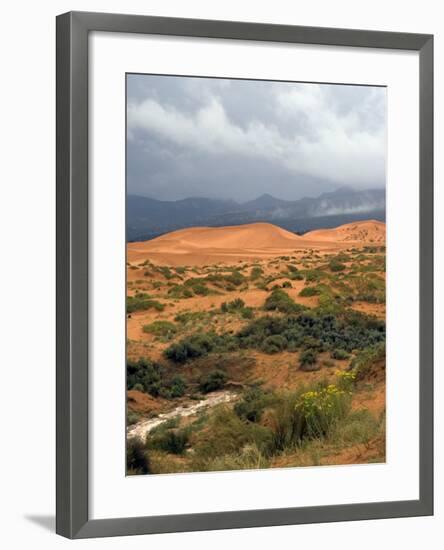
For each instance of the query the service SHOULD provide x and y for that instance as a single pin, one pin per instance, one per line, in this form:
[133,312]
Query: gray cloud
[238,139]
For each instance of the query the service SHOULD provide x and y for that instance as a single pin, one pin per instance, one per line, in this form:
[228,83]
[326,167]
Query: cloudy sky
[238,139]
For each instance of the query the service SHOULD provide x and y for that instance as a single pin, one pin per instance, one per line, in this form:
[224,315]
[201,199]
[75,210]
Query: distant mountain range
[148,218]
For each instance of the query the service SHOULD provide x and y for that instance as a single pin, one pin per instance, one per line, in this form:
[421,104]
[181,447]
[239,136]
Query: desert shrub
[169,424]
[346,380]
[177,387]
[151,377]
[321,409]
[198,286]
[340,354]
[286,284]
[292,268]
[137,461]
[214,380]
[274,344]
[336,266]
[253,404]
[228,281]
[228,434]
[193,346]
[190,316]
[144,374]
[309,291]
[285,422]
[161,328]
[330,304]
[312,275]
[370,289]
[366,358]
[141,303]
[347,330]
[180,270]
[358,427]
[235,278]
[311,343]
[248,458]
[180,291]
[171,441]
[247,313]
[341,257]
[132,418]
[279,300]
[166,272]
[233,306]
[198,345]
[256,272]
[308,359]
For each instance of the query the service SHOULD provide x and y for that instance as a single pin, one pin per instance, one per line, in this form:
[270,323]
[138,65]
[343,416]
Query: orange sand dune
[255,235]
[204,245]
[366,231]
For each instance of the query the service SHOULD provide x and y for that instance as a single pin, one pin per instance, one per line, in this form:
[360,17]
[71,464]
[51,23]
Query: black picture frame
[72,518]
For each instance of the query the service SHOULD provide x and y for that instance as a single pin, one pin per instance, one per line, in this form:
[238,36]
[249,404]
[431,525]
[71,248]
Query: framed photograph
[244,275]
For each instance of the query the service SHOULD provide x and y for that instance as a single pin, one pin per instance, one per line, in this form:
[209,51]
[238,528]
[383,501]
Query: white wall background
[27,200]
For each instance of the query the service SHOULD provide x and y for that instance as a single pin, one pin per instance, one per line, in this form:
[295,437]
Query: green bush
[141,303]
[180,291]
[228,281]
[308,359]
[309,291]
[236,278]
[171,441]
[177,387]
[233,306]
[132,418]
[190,316]
[161,328]
[336,266]
[198,286]
[346,380]
[253,404]
[213,381]
[321,409]
[286,284]
[256,272]
[137,461]
[295,276]
[340,354]
[312,275]
[274,344]
[285,423]
[247,313]
[249,457]
[151,377]
[366,358]
[279,300]
[228,434]
[166,272]
[198,345]
[347,330]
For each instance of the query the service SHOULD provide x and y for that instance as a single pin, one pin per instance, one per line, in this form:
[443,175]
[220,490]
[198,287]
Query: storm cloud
[238,139]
